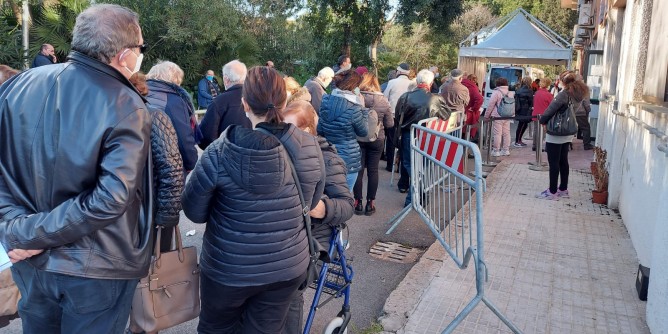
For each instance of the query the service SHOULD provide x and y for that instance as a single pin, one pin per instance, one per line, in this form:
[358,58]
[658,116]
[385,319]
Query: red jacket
[476,98]
[541,100]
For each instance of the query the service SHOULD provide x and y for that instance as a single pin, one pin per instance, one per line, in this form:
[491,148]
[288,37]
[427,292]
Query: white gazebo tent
[517,38]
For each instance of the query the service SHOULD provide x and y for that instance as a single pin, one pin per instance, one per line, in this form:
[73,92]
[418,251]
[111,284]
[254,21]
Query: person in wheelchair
[335,206]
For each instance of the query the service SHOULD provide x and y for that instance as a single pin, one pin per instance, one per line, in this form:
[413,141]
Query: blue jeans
[56,303]
[351,178]
[406,161]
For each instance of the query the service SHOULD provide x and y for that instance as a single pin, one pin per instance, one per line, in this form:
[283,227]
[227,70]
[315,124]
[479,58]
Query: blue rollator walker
[334,279]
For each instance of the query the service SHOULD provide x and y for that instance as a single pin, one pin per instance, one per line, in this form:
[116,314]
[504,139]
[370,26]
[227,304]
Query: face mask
[137,63]
[347,67]
[327,82]
[357,91]
[561,85]
[209,77]
[437,75]
[289,94]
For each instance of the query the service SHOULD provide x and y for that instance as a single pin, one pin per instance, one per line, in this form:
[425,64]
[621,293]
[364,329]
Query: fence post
[538,164]
[487,161]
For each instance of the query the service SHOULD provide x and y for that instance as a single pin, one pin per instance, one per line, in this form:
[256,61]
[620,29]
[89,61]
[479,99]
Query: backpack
[506,107]
[374,128]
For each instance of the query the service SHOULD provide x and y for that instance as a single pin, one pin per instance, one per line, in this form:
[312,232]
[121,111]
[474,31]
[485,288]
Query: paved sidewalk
[563,266]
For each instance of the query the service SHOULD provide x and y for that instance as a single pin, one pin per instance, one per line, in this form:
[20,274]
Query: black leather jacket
[75,170]
[415,106]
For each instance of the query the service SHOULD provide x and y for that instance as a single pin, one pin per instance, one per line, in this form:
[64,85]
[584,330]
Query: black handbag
[563,123]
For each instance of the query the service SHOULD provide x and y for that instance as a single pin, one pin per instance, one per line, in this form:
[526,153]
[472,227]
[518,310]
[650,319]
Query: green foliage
[11,53]
[438,13]
[53,24]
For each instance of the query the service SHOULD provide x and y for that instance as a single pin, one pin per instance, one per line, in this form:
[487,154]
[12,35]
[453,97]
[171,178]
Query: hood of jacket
[339,104]
[469,84]
[254,160]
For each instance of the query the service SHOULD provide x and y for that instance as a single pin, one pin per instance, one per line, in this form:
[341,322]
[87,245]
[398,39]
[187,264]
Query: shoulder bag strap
[305,208]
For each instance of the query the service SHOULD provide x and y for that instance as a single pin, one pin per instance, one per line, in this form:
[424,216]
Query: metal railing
[439,188]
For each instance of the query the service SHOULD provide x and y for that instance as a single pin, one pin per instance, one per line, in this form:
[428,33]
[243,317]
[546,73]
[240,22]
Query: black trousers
[584,128]
[263,308]
[557,157]
[389,147]
[521,128]
[370,161]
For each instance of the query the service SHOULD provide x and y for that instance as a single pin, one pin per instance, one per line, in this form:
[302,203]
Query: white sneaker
[496,153]
[505,152]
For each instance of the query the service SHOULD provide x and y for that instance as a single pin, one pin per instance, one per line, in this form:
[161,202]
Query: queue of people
[117,160]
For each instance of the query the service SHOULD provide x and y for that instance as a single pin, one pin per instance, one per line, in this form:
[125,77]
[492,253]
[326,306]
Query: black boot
[370,207]
[359,210]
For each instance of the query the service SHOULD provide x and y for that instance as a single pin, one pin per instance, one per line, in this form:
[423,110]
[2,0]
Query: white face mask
[140,58]
[347,67]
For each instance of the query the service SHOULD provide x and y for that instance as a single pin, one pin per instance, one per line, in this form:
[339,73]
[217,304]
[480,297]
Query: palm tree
[53,22]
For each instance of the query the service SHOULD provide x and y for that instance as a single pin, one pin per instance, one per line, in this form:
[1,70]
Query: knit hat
[403,68]
[456,73]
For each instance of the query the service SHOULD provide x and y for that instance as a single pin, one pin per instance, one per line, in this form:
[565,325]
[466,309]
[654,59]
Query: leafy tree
[53,24]
[473,19]
[438,13]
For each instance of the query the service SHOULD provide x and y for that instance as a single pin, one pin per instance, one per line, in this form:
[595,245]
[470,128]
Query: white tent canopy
[518,38]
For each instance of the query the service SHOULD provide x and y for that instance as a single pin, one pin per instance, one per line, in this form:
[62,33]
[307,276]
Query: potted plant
[600,193]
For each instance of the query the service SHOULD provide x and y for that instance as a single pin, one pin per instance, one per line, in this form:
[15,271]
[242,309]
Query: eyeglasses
[142,47]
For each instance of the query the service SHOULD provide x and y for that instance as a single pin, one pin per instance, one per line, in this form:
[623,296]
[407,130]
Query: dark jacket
[337,197]
[81,170]
[242,187]
[41,60]
[378,102]
[317,90]
[341,121]
[559,104]
[175,102]
[167,169]
[523,101]
[204,88]
[584,109]
[225,110]
[417,105]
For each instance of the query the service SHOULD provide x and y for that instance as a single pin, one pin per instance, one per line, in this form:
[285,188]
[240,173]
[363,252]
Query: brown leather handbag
[9,294]
[169,295]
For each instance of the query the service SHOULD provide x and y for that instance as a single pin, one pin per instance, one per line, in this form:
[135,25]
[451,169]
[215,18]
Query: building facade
[623,48]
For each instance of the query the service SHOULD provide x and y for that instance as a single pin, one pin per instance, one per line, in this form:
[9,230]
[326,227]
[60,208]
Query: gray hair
[425,77]
[326,73]
[102,31]
[235,71]
[166,71]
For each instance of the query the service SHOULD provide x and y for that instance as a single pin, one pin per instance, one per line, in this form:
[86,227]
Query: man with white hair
[317,85]
[76,192]
[455,94]
[395,88]
[226,108]
[413,107]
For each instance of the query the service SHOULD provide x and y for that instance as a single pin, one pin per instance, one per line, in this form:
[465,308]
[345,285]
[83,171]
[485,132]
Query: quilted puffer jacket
[242,188]
[167,169]
[337,197]
[342,119]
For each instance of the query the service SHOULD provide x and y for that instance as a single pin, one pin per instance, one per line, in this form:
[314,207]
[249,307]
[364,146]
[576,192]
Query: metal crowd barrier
[453,125]
[439,188]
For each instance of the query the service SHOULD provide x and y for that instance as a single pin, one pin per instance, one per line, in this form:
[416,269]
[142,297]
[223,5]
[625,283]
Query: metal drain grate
[392,251]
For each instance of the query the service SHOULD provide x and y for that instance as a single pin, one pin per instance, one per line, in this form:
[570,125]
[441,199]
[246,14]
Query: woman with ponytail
[255,251]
